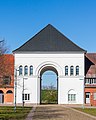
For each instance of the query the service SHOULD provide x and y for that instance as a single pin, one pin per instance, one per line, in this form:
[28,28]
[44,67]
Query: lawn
[91,111]
[49,96]
[8,113]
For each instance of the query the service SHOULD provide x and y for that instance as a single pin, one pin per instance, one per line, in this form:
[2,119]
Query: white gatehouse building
[49,50]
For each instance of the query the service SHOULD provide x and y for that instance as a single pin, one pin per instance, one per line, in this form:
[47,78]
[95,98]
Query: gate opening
[49,86]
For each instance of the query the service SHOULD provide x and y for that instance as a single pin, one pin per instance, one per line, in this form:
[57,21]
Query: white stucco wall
[58,61]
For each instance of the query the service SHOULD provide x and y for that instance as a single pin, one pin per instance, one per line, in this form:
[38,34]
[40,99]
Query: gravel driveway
[57,112]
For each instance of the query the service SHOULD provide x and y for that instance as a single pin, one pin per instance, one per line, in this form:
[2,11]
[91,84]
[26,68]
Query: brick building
[90,79]
[6,78]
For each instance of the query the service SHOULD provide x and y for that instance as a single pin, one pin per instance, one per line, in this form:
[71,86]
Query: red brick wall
[92,91]
[7,69]
[8,98]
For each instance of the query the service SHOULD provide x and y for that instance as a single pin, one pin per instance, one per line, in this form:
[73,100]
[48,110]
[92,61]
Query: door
[1,98]
[88,97]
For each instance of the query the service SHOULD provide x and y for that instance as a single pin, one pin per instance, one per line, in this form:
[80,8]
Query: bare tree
[3,47]
[5,64]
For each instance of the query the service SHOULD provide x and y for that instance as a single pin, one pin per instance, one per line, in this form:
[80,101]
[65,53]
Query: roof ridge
[44,41]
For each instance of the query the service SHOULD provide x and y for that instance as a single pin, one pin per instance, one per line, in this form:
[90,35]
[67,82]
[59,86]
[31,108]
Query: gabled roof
[49,39]
[90,64]
[91,57]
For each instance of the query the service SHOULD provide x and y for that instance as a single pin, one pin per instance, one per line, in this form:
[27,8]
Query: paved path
[31,114]
[57,112]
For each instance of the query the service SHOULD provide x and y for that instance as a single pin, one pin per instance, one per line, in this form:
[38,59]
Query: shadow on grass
[8,113]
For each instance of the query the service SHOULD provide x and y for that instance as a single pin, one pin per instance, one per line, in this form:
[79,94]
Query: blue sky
[49,78]
[22,19]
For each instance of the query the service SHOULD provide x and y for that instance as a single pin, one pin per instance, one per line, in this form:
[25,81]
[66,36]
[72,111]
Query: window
[71,70]
[77,70]
[6,80]
[87,95]
[31,70]
[26,70]
[90,81]
[26,96]
[9,92]
[1,92]
[20,70]
[1,96]
[95,81]
[71,97]
[22,96]
[66,70]
[87,81]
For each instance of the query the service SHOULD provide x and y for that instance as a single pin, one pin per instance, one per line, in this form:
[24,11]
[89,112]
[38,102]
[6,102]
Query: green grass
[49,96]
[91,111]
[8,113]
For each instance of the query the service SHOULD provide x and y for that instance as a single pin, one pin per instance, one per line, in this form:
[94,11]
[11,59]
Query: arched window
[1,92]
[20,70]
[31,70]
[26,70]
[72,96]
[71,70]
[66,70]
[77,70]
[9,92]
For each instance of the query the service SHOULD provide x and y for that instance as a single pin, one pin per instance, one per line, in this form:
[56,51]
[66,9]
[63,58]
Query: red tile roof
[92,68]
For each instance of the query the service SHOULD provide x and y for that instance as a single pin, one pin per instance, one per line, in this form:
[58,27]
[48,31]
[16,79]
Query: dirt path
[58,113]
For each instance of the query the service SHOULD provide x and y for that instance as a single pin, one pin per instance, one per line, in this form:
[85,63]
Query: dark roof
[49,39]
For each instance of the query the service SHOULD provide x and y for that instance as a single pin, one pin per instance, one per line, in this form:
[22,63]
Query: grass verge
[48,96]
[91,111]
[8,113]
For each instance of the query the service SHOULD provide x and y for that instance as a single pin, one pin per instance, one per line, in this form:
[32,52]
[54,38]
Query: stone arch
[44,66]
[48,67]
[49,64]
[43,69]
[72,91]
[9,96]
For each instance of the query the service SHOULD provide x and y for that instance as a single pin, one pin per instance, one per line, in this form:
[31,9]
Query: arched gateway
[48,66]
[49,50]
[43,67]
[48,93]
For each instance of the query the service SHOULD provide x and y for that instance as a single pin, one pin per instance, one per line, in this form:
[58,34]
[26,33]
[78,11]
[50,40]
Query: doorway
[1,96]
[49,86]
[87,97]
